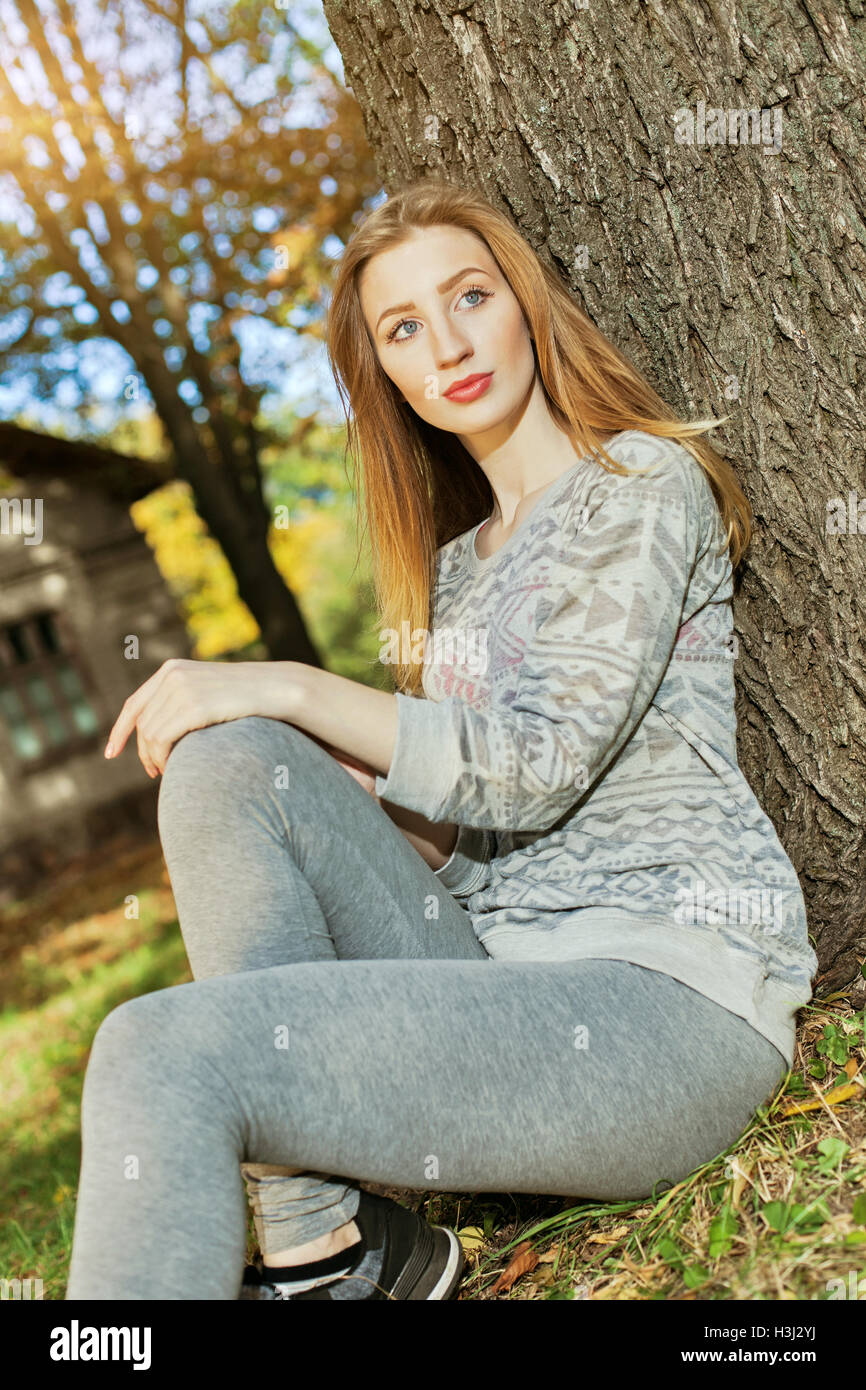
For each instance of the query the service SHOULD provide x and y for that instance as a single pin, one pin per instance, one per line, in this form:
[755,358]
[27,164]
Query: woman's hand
[362,772]
[184,695]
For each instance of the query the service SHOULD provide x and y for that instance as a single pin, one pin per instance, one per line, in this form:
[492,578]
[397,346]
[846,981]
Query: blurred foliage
[176,189]
[166,176]
[314,541]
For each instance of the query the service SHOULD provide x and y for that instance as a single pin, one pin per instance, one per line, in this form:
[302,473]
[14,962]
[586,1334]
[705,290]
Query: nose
[450,343]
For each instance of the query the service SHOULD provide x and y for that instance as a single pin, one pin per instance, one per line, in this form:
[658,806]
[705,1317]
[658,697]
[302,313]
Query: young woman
[520,925]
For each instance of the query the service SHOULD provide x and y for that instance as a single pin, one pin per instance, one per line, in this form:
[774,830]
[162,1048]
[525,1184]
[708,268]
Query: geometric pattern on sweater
[578,720]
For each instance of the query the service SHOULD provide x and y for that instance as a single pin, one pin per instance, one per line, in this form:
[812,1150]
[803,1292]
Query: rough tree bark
[731,273]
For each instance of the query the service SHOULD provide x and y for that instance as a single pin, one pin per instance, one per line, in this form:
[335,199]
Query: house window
[44,702]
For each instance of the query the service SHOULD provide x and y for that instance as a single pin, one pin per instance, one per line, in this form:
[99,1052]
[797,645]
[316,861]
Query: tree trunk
[240,524]
[731,271]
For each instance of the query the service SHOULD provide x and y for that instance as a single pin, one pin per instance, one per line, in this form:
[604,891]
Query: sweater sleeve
[465,871]
[607,627]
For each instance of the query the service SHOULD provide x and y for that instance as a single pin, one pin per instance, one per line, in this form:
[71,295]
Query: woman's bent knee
[161,1059]
[137,1031]
[155,1039]
[220,766]
[232,759]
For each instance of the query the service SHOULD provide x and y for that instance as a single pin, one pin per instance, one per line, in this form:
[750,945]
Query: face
[439,310]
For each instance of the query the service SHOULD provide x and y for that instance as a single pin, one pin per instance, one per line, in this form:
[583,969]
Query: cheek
[517,348]
[513,335]
[406,381]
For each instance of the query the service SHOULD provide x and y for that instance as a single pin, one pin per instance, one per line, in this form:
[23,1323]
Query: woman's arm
[184,695]
[434,842]
[354,722]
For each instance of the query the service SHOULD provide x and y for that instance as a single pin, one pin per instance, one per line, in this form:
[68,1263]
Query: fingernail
[109,750]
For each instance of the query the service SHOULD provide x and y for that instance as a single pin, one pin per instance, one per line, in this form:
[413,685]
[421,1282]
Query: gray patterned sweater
[579,728]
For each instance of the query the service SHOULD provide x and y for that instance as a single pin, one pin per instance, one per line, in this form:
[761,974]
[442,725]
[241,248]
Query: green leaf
[776,1215]
[670,1252]
[722,1231]
[833,1150]
[858,1214]
[694,1275]
[795,1216]
[833,1044]
[807,1218]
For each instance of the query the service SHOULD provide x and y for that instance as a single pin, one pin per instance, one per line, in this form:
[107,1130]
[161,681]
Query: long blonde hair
[420,486]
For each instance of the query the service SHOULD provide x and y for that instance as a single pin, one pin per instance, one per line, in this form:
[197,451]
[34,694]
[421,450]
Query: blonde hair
[420,486]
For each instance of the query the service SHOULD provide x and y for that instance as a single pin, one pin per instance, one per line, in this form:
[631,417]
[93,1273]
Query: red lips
[478,380]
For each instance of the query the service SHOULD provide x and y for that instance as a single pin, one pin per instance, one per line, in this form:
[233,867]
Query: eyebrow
[440,289]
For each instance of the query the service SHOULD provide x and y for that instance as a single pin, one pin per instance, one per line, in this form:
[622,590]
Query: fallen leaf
[471,1238]
[522,1261]
[550,1255]
[609,1237]
[741,1176]
[834,1097]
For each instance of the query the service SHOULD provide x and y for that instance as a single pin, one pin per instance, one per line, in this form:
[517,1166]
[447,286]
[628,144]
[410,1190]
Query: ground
[781,1215]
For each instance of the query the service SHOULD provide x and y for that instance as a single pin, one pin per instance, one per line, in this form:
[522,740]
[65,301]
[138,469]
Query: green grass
[56,991]
[777,1217]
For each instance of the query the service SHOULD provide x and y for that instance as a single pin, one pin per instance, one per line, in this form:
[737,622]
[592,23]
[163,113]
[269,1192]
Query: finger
[170,714]
[144,754]
[131,709]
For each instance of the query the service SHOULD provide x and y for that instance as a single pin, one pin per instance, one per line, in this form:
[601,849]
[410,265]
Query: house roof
[123,478]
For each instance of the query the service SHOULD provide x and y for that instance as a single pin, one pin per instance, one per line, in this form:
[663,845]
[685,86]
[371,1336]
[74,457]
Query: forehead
[427,256]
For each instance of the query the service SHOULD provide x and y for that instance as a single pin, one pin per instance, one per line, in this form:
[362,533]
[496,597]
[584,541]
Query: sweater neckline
[475,563]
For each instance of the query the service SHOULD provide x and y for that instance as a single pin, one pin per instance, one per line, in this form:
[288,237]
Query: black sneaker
[254,1285]
[420,1261]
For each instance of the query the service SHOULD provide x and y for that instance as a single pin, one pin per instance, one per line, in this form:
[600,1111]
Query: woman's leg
[590,1078]
[276,855]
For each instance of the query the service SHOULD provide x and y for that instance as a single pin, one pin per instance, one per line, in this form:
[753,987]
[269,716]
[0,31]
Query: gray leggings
[344,1020]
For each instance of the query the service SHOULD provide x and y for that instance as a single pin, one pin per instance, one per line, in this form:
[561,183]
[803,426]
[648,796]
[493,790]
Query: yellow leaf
[609,1237]
[840,1093]
[834,1097]
[549,1255]
[471,1237]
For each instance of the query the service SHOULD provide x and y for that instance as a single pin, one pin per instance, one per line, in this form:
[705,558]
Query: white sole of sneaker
[444,1283]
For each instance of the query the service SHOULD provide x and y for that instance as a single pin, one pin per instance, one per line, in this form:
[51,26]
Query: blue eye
[471,289]
[474,290]
[390,338]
